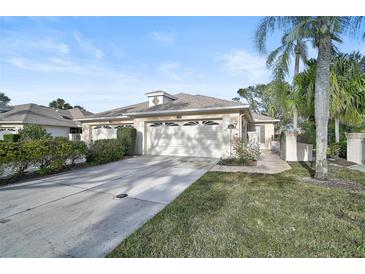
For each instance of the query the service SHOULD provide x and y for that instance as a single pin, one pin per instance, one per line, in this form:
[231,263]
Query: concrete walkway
[358,167]
[78,213]
[270,163]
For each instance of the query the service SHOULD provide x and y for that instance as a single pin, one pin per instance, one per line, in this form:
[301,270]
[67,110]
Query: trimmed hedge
[11,137]
[127,136]
[104,151]
[48,155]
[33,132]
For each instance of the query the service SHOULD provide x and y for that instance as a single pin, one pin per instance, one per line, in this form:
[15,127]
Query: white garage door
[188,138]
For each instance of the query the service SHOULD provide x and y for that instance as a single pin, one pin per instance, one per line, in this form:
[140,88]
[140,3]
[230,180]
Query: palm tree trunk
[321,106]
[296,71]
[337,129]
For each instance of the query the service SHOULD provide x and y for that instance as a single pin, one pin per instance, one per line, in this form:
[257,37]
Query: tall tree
[4,100]
[347,90]
[279,61]
[324,32]
[60,104]
[257,97]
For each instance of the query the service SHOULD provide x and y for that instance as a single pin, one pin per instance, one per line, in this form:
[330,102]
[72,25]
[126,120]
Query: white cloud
[176,72]
[243,63]
[87,46]
[16,45]
[67,67]
[163,36]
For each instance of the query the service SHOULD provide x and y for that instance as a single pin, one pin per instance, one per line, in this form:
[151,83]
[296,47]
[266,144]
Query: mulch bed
[340,162]
[35,175]
[335,183]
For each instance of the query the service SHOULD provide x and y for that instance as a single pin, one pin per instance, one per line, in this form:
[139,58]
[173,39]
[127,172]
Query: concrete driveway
[77,213]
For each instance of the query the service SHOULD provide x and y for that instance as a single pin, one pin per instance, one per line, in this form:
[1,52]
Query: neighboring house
[4,108]
[58,123]
[262,130]
[181,124]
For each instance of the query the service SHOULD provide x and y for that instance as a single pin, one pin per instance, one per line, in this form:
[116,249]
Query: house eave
[265,121]
[131,115]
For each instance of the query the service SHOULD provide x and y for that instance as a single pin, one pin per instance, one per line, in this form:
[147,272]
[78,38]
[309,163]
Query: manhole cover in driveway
[120,196]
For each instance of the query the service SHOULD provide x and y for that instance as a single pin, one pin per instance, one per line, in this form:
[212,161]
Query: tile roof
[36,114]
[184,101]
[257,117]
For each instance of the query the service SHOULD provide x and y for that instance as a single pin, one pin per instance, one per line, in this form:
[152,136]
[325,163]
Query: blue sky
[106,62]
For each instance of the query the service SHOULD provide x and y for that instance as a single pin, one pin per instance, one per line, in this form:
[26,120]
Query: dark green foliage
[60,103]
[49,155]
[104,151]
[4,99]
[343,149]
[309,133]
[127,136]
[33,132]
[11,137]
[78,151]
[333,150]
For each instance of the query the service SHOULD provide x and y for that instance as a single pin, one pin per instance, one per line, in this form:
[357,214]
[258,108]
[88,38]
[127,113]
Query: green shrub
[79,151]
[49,155]
[11,137]
[333,150]
[104,151]
[15,155]
[246,152]
[33,132]
[127,136]
[343,149]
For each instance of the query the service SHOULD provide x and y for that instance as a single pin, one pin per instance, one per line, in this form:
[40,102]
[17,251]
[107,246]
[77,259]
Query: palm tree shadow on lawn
[310,170]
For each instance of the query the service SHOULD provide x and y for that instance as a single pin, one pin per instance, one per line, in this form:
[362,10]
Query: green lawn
[247,215]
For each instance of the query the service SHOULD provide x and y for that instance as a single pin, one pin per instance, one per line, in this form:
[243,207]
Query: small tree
[33,132]
[60,103]
[4,100]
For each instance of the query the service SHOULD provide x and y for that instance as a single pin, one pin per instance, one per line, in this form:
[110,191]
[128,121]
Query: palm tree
[60,104]
[347,90]
[323,32]
[279,61]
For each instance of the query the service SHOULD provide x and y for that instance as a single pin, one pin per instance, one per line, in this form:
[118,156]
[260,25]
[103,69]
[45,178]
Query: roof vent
[159,97]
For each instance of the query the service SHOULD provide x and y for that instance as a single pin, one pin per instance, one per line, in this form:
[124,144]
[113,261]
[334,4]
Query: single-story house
[181,124]
[262,130]
[59,123]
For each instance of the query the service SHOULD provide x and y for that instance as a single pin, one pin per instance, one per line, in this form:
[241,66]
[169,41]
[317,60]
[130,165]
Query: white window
[191,123]
[171,124]
[210,123]
[156,125]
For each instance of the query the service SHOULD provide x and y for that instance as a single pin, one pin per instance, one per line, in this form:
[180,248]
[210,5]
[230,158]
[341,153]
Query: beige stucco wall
[255,134]
[12,126]
[55,131]
[293,151]
[355,147]
[141,126]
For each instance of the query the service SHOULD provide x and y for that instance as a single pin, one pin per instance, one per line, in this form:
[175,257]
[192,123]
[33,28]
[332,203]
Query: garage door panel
[196,140]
